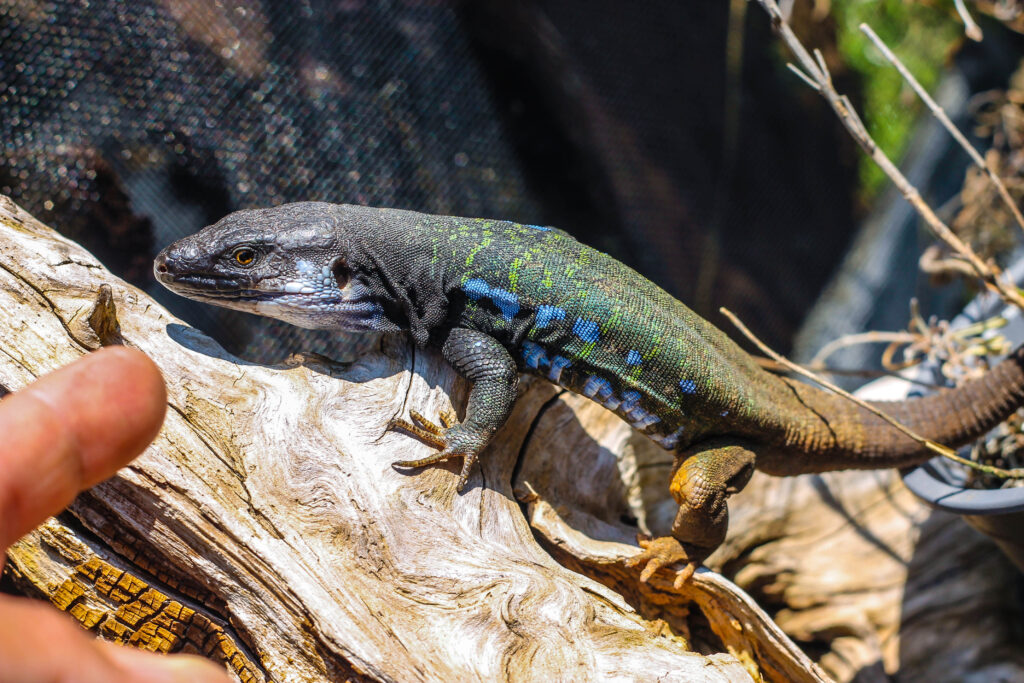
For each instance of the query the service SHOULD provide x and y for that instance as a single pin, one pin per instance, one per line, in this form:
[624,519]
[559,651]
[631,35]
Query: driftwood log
[266,528]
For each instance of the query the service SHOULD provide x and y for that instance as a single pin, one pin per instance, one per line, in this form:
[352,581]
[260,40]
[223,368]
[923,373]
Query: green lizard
[500,298]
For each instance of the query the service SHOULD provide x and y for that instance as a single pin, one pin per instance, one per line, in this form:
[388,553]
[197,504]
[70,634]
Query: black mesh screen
[127,124]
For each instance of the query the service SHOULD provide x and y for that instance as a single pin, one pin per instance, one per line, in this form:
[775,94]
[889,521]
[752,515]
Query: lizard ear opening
[341,272]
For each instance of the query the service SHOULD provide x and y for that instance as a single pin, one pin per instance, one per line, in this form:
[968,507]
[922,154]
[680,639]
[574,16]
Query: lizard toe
[428,433]
[662,552]
[684,574]
[428,425]
[440,456]
[448,418]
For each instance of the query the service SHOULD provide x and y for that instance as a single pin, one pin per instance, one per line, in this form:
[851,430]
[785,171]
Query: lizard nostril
[161,268]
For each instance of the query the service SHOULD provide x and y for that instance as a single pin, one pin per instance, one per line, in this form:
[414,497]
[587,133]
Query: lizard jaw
[312,304]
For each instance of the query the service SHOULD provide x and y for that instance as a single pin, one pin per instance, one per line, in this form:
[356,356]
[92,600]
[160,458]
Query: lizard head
[287,262]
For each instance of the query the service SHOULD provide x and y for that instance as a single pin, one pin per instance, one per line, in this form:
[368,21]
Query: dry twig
[939,114]
[972,30]
[779,369]
[862,338]
[814,72]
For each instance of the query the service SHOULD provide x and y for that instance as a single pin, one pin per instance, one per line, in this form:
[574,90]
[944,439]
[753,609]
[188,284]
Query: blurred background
[669,134]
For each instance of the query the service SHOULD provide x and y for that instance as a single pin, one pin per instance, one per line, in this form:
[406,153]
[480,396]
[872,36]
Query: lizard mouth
[224,290]
[204,286]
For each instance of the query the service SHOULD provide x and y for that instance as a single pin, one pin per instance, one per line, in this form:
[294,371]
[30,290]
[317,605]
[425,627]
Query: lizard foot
[661,552]
[447,437]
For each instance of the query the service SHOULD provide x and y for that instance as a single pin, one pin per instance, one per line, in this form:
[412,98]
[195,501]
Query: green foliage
[923,35]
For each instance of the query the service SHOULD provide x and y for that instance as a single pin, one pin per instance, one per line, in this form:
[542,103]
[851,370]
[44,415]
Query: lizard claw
[427,431]
[443,437]
[661,552]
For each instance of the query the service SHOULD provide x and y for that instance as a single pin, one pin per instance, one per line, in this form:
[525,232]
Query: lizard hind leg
[482,360]
[705,476]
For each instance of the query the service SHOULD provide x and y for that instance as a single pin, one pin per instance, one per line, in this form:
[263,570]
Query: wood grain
[266,528]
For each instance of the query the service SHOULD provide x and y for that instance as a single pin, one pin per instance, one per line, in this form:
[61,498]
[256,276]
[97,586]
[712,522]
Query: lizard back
[582,319]
[578,317]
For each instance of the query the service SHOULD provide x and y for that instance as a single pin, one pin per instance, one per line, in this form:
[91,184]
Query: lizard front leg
[482,360]
[705,476]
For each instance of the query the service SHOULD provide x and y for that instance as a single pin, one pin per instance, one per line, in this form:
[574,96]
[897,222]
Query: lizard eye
[244,256]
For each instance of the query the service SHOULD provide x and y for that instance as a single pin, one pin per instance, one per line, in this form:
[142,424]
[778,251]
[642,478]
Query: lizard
[500,298]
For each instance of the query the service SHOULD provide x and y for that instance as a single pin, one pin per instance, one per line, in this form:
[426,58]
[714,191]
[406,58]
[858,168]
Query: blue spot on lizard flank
[597,387]
[668,441]
[630,399]
[534,355]
[688,386]
[646,421]
[506,301]
[587,330]
[476,288]
[536,227]
[558,364]
[633,357]
[545,314]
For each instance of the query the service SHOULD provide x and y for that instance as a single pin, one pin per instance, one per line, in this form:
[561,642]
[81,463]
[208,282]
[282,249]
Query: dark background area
[668,134]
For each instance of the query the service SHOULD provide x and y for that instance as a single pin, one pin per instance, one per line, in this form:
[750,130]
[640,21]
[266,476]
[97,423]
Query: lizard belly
[664,425]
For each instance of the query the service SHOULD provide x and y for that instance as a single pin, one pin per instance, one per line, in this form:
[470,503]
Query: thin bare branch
[939,114]
[862,338]
[972,30]
[988,274]
[779,369]
[938,448]
[818,57]
[932,263]
[804,77]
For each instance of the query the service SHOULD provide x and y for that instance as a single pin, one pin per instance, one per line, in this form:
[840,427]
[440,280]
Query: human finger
[40,645]
[71,429]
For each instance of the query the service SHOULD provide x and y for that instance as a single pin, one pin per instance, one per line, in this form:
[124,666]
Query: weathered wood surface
[850,564]
[855,567]
[266,528]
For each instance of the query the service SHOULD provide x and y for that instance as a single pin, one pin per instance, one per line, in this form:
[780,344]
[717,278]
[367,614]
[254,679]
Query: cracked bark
[266,528]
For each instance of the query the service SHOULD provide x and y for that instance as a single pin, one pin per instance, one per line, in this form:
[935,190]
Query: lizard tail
[836,430]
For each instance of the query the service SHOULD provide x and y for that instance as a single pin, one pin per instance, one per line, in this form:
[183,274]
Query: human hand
[64,433]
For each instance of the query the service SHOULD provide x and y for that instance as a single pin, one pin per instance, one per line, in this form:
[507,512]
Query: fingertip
[114,400]
[159,668]
[140,377]
[72,429]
